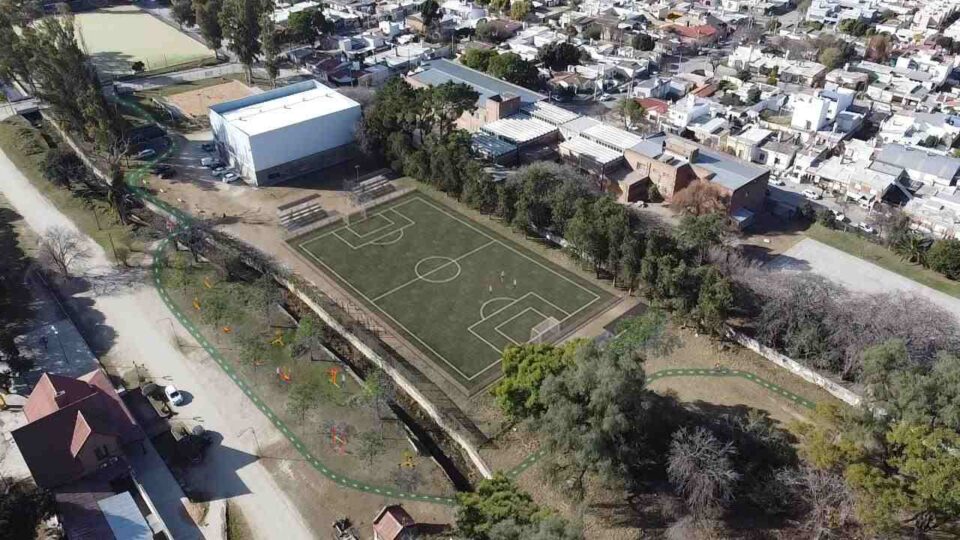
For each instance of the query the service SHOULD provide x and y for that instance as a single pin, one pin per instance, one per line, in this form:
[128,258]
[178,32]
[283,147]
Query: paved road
[140,329]
[855,273]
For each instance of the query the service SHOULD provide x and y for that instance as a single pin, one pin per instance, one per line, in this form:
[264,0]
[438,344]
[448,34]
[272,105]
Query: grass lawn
[883,257]
[26,148]
[456,289]
[116,37]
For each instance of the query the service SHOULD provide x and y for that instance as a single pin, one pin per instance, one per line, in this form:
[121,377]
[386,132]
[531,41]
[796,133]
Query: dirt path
[141,330]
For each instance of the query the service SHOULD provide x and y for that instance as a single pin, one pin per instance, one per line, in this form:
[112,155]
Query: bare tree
[700,198]
[700,466]
[63,248]
[825,497]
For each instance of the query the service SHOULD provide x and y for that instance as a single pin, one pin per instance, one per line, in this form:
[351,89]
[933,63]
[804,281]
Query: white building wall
[300,140]
[234,145]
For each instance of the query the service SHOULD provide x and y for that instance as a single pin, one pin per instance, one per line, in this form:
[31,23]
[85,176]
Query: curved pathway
[135,179]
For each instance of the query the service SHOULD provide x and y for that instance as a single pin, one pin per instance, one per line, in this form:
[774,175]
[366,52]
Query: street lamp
[60,343]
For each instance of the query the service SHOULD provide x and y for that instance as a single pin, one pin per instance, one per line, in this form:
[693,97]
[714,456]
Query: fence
[169,79]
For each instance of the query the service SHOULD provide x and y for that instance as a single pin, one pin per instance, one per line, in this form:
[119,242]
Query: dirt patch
[194,103]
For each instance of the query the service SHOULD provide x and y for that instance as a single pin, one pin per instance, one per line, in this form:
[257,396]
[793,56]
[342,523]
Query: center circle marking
[440,268]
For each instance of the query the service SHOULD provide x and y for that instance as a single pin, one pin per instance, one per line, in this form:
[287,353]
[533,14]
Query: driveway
[131,324]
[855,273]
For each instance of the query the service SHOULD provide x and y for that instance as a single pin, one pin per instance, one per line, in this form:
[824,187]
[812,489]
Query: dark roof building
[922,166]
[437,72]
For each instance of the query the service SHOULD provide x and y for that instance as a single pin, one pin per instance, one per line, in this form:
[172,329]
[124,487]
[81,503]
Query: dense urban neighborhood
[479,270]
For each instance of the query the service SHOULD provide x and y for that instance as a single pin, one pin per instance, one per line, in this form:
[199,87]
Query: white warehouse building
[285,132]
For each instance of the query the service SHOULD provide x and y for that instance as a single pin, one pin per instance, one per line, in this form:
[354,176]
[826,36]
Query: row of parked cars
[217,167]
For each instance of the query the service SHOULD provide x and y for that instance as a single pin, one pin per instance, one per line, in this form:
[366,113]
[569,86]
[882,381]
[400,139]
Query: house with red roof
[74,428]
[394,523]
[696,36]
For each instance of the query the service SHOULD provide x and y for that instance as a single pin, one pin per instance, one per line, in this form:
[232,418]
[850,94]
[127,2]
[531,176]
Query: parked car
[211,162]
[173,395]
[208,146]
[863,226]
[146,153]
[218,171]
[812,194]
[606,97]
[774,181]
[839,216]
[230,176]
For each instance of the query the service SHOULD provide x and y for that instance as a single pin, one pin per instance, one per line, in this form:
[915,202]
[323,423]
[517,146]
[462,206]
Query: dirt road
[133,325]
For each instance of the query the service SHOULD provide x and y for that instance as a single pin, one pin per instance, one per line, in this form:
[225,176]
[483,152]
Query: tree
[550,528]
[519,9]
[23,507]
[370,444]
[559,56]
[514,69]
[137,67]
[496,500]
[182,12]
[913,248]
[499,6]
[207,13]
[376,393]
[630,111]
[525,367]
[600,419]
[878,48]
[714,302]
[944,257]
[62,167]
[310,334]
[477,58]
[308,25]
[642,42]
[700,233]
[824,497]
[917,485]
[63,248]
[701,197]
[240,20]
[490,32]
[15,54]
[832,57]
[700,467]
[305,395]
[271,46]
[429,11]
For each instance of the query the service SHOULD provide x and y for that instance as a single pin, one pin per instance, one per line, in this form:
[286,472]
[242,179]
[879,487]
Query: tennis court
[455,289]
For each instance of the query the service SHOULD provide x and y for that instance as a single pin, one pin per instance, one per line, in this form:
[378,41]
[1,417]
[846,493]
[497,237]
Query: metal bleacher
[301,212]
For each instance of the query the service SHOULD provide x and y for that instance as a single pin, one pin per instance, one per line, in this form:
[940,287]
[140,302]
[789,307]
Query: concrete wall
[805,373]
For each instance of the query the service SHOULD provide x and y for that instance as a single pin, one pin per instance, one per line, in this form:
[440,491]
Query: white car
[839,216]
[776,182]
[173,395]
[812,194]
[146,153]
[866,228]
[208,161]
[229,177]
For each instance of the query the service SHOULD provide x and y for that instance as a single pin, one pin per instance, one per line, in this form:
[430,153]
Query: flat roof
[598,153]
[919,160]
[728,171]
[519,129]
[549,113]
[282,107]
[437,72]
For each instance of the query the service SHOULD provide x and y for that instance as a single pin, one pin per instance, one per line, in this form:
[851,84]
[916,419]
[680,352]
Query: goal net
[358,198]
[545,331]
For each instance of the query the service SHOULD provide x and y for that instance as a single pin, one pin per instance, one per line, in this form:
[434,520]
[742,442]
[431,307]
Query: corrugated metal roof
[588,148]
[612,136]
[490,146]
[124,517]
[918,160]
[440,71]
[518,129]
[549,113]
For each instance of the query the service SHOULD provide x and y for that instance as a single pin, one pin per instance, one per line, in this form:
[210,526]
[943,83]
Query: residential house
[854,80]
[920,129]
[695,37]
[686,110]
[922,167]
[938,215]
[815,112]
[746,145]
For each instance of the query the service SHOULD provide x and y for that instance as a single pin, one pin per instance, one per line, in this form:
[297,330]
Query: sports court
[454,288]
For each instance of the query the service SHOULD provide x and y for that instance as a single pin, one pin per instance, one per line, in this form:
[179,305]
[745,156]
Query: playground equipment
[277,339]
[283,374]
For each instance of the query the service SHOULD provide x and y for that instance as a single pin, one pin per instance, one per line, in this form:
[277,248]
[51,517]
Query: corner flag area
[455,289]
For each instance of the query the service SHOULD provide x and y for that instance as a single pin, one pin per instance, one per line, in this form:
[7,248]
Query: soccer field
[454,288]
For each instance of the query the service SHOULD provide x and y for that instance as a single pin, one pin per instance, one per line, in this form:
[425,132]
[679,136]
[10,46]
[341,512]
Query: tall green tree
[514,69]
[429,11]
[240,20]
[478,58]
[525,367]
[207,14]
[183,12]
[701,233]
[308,25]
[23,507]
[271,46]
[15,55]
[559,56]
[944,257]
[495,500]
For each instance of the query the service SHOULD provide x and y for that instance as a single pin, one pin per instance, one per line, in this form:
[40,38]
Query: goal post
[546,331]
[358,199]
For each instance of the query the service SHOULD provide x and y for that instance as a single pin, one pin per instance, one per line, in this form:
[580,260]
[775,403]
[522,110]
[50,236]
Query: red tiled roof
[56,432]
[658,106]
[702,31]
[391,522]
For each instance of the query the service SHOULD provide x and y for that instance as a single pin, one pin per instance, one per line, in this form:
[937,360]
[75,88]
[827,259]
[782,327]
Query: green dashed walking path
[135,180]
